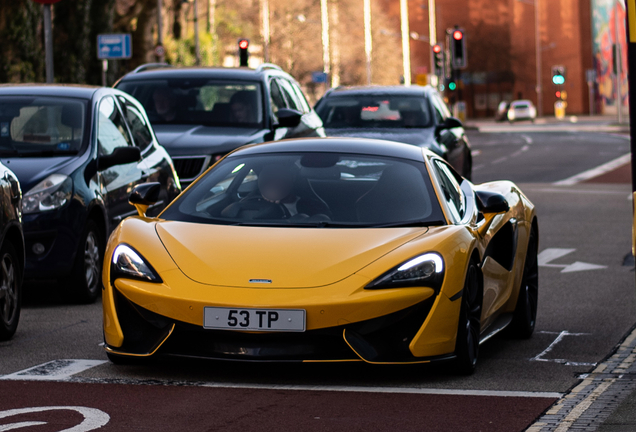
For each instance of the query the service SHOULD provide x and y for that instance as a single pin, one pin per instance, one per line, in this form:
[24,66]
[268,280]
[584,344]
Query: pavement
[579,123]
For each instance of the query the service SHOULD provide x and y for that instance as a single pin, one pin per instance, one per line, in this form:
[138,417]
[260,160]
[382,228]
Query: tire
[525,315]
[468,332]
[10,291]
[85,281]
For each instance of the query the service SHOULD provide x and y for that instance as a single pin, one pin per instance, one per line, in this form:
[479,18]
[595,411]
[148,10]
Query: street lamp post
[367,37]
[406,51]
[160,30]
[197,48]
[324,16]
[266,31]
[537,35]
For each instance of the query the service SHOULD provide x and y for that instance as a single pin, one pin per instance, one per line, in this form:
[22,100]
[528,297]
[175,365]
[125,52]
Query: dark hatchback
[201,114]
[412,115]
[78,151]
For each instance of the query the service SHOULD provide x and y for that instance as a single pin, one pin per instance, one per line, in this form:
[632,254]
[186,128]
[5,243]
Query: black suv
[77,151]
[412,115]
[201,114]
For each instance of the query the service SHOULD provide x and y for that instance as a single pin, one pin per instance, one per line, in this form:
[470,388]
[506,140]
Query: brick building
[500,38]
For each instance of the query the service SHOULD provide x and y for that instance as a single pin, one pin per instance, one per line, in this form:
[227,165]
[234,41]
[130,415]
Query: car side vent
[503,245]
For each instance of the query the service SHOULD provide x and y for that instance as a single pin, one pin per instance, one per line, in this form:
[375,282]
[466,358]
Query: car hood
[424,137]
[32,170]
[288,257]
[185,140]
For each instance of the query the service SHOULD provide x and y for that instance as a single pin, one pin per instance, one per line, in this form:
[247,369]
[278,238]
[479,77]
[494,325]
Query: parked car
[201,114]
[11,248]
[521,110]
[411,115]
[502,111]
[78,151]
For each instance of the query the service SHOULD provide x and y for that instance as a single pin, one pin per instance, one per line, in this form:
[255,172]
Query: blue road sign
[114,46]
[319,77]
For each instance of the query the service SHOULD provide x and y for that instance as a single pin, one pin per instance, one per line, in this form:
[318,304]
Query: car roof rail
[150,66]
[264,66]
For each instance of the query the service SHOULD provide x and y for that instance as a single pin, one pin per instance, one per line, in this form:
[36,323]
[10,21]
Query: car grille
[189,168]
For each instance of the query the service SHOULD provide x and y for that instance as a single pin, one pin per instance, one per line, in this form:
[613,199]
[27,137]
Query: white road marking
[475,152]
[478,167]
[558,339]
[526,138]
[93,418]
[402,390]
[500,160]
[595,172]
[522,150]
[551,254]
[56,370]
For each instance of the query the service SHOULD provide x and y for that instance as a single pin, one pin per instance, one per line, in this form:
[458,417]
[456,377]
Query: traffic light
[438,59]
[452,85]
[458,49]
[558,94]
[244,55]
[558,75]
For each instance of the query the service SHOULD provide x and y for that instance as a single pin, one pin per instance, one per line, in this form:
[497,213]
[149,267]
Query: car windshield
[383,111]
[311,190]
[41,126]
[199,101]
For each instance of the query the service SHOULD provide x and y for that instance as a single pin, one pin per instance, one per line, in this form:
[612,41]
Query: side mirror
[119,156]
[288,117]
[144,195]
[449,123]
[491,202]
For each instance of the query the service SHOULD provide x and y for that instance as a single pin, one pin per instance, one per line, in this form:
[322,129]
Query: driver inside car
[279,196]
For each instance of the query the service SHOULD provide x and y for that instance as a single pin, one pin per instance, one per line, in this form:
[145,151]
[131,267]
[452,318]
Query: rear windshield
[384,111]
[41,126]
[311,190]
[199,101]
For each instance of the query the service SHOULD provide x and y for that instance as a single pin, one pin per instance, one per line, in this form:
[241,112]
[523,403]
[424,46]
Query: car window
[289,94]
[301,97]
[441,110]
[199,101]
[139,127]
[31,125]
[453,194]
[276,97]
[381,111]
[306,189]
[111,129]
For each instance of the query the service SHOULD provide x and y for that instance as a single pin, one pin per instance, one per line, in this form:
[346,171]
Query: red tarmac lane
[190,408]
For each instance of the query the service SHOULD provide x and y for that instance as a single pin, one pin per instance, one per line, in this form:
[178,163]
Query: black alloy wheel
[85,281]
[525,316]
[468,333]
[10,291]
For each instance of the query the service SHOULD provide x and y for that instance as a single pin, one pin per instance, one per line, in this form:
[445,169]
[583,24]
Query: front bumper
[383,339]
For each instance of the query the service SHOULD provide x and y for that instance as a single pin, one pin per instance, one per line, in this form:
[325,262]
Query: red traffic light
[437,49]
[458,35]
[558,94]
[244,43]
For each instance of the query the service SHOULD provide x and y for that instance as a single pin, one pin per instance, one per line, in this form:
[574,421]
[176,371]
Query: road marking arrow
[552,254]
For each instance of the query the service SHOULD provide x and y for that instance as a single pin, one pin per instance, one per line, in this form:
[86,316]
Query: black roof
[363,146]
[379,90]
[243,74]
[68,90]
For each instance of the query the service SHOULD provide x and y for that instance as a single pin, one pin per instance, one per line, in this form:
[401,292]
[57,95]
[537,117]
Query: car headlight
[50,194]
[424,270]
[128,263]
[511,115]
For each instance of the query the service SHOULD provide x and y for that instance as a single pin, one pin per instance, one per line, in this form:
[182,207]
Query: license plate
[291,320]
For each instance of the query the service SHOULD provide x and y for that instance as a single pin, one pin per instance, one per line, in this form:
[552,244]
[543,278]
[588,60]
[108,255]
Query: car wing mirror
[119,156]
[288,117]
[143,196]
[449,123]
[490,204]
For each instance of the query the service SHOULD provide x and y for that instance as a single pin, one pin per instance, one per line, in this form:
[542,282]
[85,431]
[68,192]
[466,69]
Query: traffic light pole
[537,36]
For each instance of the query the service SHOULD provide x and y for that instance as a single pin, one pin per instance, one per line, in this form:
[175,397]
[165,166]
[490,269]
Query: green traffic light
[452,86]
[558,79]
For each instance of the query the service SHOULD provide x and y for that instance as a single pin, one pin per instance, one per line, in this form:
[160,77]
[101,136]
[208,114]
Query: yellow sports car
[323,250]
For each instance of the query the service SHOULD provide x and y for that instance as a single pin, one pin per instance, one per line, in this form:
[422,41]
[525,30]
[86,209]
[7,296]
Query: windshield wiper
[410,224]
